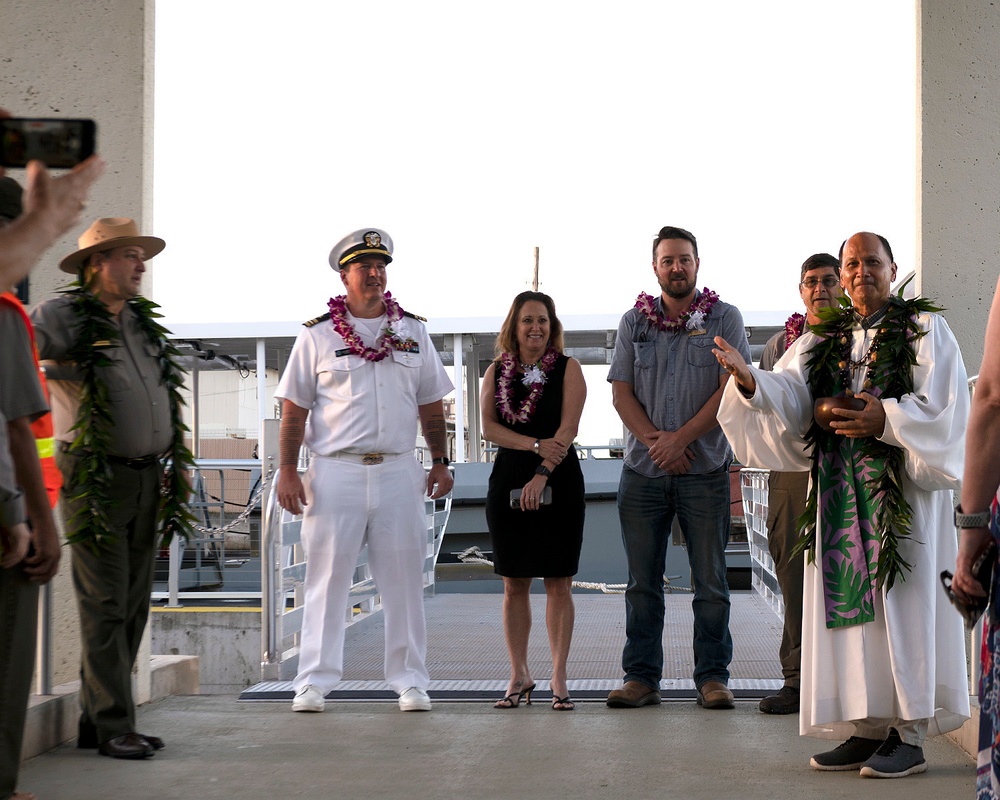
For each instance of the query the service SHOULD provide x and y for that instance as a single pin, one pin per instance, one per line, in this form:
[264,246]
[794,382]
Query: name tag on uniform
[697,333]
[346,351]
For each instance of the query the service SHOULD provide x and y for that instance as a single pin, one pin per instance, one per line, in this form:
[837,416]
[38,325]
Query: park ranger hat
[364,242]
[105,234]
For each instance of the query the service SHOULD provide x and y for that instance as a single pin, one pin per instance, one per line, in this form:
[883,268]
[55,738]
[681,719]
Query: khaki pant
[786,500]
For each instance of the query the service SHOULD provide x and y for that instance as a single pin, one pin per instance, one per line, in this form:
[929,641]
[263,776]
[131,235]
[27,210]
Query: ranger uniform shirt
[140,402]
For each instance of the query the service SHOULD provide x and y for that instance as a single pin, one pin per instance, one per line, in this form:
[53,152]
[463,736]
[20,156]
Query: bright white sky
[473,132]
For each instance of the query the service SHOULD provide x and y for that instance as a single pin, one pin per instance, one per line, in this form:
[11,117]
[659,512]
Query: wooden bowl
[824,406]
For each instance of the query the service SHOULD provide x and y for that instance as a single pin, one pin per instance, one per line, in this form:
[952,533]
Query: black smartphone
[55,142]
[515,497]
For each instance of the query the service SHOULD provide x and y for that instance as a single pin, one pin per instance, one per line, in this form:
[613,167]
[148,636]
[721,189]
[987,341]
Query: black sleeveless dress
[544,543]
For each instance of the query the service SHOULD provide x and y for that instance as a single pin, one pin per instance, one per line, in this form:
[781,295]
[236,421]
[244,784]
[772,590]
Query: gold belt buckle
[370,459]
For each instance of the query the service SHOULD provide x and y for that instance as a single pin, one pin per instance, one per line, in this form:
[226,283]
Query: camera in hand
[982,570]
[57,143]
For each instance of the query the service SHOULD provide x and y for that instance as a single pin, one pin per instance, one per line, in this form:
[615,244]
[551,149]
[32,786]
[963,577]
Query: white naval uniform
[356,407]
[907,667]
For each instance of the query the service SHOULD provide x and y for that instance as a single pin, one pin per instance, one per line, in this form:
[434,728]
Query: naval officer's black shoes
[129,745]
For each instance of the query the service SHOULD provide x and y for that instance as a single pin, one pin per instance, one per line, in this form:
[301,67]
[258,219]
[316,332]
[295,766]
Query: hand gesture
[732,362]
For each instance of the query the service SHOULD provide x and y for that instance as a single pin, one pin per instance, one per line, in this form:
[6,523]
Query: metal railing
[616,449]
[204,567]
[283,570]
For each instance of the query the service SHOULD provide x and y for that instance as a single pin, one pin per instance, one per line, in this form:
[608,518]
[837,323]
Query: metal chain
[473,555]
[242,515]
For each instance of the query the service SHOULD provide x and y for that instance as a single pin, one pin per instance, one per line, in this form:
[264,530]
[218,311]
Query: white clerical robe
[909,663]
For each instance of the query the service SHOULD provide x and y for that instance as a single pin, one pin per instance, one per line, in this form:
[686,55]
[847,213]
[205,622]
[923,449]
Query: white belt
[368,459]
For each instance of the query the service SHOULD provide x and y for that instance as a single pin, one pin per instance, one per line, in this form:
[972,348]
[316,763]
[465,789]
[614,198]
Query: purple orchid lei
[535,377]
[795,326]
[338,316]
[693,319]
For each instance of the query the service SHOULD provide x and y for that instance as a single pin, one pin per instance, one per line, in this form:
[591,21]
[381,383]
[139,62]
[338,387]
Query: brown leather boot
[633,695]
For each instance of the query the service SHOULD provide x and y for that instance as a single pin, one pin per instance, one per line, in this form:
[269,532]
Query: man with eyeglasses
[819,287]
[874,402]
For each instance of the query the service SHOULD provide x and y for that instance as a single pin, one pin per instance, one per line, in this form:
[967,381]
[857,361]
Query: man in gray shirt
[97,342]
[666,388]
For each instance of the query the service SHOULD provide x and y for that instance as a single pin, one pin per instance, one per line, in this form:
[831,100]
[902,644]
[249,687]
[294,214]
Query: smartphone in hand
[57,143]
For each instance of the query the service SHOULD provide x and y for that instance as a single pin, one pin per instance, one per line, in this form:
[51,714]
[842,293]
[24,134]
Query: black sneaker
[786,701]
[850,755]
[894,759]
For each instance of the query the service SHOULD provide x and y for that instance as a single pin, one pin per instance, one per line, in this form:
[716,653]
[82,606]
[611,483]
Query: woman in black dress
[532,398]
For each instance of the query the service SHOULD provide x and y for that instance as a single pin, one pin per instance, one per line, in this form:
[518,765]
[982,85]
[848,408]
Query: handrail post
[43,647]
[174,572]
[270,561]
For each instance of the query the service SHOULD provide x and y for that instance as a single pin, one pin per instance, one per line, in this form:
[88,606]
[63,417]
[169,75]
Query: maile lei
[693,319]
[90,522]
[394,315]
[534,377]
[889,363]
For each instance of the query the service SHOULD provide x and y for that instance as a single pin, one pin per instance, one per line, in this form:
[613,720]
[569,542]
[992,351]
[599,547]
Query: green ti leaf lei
[93,477]
[891,372]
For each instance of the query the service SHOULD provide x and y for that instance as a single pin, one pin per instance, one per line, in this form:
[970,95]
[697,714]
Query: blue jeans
[646,508]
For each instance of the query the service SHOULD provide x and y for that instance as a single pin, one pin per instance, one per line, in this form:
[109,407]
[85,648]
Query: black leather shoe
[129,745]
[786,701]
[86,735]
[154,741]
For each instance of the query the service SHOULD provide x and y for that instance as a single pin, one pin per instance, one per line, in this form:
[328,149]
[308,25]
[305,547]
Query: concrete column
[84,60]
[958,172]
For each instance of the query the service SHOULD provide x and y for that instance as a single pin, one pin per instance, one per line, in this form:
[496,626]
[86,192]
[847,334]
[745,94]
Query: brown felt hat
[105,234]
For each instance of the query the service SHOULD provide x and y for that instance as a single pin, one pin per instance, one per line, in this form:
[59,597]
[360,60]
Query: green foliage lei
[92,476]
[890,374]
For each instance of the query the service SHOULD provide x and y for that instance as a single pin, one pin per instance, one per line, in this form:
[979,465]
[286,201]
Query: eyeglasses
[828,282]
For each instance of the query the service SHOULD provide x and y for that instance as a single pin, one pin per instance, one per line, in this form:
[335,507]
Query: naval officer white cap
[363,242]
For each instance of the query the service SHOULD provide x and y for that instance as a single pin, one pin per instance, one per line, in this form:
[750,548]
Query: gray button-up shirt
[673,375]
[139,400]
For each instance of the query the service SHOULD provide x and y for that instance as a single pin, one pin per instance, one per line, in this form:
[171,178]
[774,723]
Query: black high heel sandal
[513,700]
[563,704]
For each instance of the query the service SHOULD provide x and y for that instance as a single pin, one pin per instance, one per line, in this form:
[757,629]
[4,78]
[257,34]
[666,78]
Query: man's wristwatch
[980,519]
[441,460]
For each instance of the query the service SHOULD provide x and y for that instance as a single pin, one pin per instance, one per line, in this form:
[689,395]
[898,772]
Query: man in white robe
[889,682]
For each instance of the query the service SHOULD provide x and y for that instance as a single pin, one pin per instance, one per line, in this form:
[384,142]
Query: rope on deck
[473,555]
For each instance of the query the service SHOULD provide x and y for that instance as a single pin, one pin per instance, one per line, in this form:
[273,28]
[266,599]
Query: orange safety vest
[41,427]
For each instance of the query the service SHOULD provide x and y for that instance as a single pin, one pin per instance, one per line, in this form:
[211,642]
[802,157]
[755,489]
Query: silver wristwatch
[980,519]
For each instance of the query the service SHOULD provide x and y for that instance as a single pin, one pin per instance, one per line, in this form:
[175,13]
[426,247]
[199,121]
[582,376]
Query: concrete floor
[220,749]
